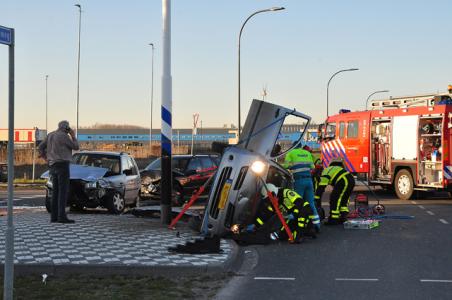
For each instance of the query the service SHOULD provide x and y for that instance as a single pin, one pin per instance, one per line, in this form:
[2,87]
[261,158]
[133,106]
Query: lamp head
[277,8]
[78,5]
[258,167]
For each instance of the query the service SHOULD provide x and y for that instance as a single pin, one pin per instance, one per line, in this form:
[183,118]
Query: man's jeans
[304,187]
[59,173]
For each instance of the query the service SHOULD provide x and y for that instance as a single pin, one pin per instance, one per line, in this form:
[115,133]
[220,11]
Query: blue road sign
[5,35]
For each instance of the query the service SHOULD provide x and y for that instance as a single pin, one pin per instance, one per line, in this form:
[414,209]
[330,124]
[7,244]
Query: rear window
[207,163]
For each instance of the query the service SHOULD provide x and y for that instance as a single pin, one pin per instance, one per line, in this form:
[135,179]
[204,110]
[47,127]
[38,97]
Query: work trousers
[59,172]
[300,224]
[305,188]
[340,197]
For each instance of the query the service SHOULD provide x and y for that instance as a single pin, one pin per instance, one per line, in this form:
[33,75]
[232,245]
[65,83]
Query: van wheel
[403,184]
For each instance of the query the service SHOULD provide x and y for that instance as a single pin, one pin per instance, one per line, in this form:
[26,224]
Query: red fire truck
[403,143]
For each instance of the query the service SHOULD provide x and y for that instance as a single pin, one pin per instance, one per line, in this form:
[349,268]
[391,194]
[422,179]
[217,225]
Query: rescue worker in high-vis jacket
[343,184]
[296,212]
[300,163]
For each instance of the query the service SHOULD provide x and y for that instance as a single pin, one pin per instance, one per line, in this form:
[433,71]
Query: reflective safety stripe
[334,216]
[316,222]
[301,219]
[305,204]
[301,225]
[299,170]
[296,211]
[270,208]
[259,221]
[344,209]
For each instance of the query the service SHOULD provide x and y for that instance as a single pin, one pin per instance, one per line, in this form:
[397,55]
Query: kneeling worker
[343,184]
[296,211]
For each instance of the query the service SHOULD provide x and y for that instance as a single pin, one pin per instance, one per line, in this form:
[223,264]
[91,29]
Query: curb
[101,270]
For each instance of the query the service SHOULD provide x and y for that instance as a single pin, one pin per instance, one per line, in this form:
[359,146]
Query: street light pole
[383,91]
[47,77]
[152,94]
[78,64]
[328,86]
[240,35]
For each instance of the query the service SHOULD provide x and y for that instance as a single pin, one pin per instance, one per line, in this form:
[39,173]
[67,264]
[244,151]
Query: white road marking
[443,221]
[274,278]
[24,207]
[414,202]
[436,280]
[356,279]
[430,213]
[421,206]
[31,197]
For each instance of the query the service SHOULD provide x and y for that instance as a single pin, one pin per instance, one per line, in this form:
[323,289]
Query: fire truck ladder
[427,100]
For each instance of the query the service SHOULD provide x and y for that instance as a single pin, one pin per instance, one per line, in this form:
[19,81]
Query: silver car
[235,194]
[106,179]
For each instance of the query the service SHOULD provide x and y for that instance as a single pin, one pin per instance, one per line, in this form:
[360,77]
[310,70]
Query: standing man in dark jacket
[57,150]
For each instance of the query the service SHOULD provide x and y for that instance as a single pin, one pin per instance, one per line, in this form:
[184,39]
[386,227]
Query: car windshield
[178,163]
[110,162]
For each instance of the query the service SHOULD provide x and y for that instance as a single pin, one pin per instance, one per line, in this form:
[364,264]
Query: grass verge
[118,287]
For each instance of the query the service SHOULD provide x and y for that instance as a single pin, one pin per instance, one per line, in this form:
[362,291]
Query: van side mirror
[127,172]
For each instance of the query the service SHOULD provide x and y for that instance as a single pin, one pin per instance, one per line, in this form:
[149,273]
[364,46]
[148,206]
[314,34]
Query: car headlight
[103,183]
[258,167]
[91,185]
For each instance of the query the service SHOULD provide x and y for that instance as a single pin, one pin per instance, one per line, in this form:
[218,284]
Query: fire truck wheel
[403,184]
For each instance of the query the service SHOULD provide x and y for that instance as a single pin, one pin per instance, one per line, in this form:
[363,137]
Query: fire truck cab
[402,143]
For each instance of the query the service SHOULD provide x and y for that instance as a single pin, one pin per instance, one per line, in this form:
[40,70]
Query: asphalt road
[402,259]
[24,197]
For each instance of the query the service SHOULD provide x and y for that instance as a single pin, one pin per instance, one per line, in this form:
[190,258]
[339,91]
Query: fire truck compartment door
[263,124]
[404,137]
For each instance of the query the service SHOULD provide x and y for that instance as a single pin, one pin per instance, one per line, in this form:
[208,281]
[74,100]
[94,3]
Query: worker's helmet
[449,88]
[271,187]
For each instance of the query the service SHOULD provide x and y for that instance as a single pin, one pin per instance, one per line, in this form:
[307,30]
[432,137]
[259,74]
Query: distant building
[182,136]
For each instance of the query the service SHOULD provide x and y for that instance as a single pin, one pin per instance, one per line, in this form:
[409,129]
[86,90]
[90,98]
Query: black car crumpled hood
[82,172]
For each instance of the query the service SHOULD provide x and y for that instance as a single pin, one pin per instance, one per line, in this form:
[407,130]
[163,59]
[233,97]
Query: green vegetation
[117,287]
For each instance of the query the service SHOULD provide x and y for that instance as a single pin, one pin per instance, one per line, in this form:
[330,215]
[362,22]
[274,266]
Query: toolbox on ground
[361,224]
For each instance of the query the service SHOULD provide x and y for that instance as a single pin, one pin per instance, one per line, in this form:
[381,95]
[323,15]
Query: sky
[403,46]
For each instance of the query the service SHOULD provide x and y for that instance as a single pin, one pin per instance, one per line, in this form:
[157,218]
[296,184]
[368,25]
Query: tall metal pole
[47,77]
[166,136]
[9,247]
[78,64]
[367,100]
[328,86]
[152,93]
[240,35]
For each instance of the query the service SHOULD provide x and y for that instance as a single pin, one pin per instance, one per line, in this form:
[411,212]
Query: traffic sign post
[7,38]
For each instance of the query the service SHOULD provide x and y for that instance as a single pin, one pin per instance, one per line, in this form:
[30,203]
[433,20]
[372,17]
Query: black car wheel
[116,203]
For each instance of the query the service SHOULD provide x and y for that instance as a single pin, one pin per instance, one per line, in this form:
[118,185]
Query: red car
[189,173]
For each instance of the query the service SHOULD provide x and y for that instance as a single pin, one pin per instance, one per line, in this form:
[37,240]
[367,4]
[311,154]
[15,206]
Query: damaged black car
[106,179]
[190,172]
